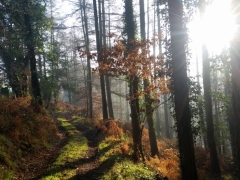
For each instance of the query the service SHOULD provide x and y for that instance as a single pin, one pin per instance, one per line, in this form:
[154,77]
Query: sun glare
[216,27]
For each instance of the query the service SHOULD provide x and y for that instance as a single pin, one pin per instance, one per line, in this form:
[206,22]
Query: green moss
[65,165]
[126,169]
[123,168]
[6,153]
[6,174]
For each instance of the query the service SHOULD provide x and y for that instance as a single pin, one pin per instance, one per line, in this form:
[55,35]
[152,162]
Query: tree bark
[218,135]
[167,128]
[227,90]
[102,82]
[158,117]
[107,79]
[89,73]
[181,90]
[148,104]
[31,52]
[126,102]
[234,122]
[215,168]
[133,85]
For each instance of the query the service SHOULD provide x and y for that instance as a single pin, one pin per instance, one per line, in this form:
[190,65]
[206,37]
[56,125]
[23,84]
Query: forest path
[74,156]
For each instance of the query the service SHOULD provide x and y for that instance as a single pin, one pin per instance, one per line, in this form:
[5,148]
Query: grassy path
[75,155]
[82,157]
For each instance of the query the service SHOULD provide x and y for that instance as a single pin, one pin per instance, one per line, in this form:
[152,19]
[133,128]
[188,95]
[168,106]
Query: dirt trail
[86,168]
[90,161]
[38,163]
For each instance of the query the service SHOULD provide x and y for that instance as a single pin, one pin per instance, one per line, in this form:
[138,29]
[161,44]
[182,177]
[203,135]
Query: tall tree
[200,109]
[133,85]
[157,11]
[215,168]
[166,113]
[102,82]
[12,51]
[30,43]
[23,21]
[89,74]
[107,79]
[181,90]
[148,104]
[234,122]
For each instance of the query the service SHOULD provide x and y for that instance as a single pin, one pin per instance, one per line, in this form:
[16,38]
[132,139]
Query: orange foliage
[167,167]
[20,122]
[145,142]
[167,164]
[125,148]
[137,62]
[127,128]
[110,128]
[204,165]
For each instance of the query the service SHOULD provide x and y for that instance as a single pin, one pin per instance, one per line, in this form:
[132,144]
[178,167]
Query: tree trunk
[107,79]
[170,120]
[31,52]
[44,81]
[200,110]
[158,123]
[219,138]
[102,82]
[109,97]
[234,122]
[89,73]
[160,53]
[126,103]
[181,90]
[227,90]
[148,104]
[215,168]
[133,86]
[167,128]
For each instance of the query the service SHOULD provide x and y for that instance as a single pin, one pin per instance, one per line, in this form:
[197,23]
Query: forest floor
[82,154]
[62,144]
[46,164]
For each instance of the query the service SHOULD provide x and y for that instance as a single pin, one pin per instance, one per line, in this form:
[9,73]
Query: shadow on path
[97,172]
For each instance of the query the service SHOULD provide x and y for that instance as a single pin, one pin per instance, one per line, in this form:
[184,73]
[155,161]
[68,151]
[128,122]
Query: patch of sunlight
[65,165]
[121,166]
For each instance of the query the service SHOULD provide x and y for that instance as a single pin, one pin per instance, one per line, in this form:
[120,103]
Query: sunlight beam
[216,27]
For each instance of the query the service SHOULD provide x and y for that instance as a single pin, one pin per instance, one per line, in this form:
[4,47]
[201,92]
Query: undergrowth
[116,144]
[24,127]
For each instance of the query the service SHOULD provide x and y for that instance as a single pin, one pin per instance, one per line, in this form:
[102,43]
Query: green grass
[126,169]
[7,157]
[123,168]
[228,177]
[65,165]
